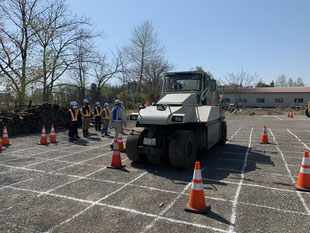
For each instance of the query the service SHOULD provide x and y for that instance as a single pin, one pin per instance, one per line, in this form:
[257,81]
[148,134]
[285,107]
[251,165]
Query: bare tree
[56,33]
[104,71]
[144,46]
[16,65]
[239,82]
[154,71]
[80,71]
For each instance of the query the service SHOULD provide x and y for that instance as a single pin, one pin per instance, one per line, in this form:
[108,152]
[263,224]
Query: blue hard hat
[85,101]
[97,103]
[71,103]
[106,105]
[75,103]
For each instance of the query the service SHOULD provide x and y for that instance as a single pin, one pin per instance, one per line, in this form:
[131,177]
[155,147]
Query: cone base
[302,188]
[116,167]
[54,142]
[264,143]
[204,211]
[2,149]
[6,144]
[43,144]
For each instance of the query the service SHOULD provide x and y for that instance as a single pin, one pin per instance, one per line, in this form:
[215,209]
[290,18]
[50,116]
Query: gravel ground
[67,187]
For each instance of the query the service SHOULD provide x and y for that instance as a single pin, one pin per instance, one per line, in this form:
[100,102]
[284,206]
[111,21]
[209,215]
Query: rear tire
[183,150]
[307,112]
[132,143]
[224,133]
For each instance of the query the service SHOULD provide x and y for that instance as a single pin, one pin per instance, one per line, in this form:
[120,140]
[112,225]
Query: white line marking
[290,174]
[278,118]
[298,139]
[167,208]
[234,134]
[235,201]
[94,203]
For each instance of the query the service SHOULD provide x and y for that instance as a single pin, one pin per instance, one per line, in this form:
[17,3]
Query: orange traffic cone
[291,115]
[264,138]
[303,182]
[196,203]
[53,135]
[1,147]
[116,157]
[120,141]
[294,113]
[288,114]
[5,137]
[43,139]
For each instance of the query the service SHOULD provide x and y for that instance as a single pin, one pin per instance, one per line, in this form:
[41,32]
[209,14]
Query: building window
[260,100]
[243,100]
[226,100]
[278,100]
[298,100]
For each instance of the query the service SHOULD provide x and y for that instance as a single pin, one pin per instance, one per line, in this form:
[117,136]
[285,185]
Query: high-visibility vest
[106,114]
[115,115]
[74,116]
[87,113]
[98,111]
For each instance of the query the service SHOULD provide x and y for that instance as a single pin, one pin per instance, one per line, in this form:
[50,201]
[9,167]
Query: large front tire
[224,134]
[132,143]
[183,150]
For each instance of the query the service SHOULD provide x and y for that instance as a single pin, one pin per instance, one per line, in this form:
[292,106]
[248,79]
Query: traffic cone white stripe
[306,161]
[197,186]
[197,175]
[305,170]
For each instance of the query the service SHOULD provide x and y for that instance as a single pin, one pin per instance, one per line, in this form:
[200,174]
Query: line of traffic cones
[43,138]
[116,162]
[290,115]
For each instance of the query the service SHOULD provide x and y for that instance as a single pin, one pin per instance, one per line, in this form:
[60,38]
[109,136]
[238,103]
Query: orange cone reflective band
[303,181]
[116,157]
[1,147]
[53,135]
[120,141]
[196,201]
[43,139]
[264,138]
[5,137]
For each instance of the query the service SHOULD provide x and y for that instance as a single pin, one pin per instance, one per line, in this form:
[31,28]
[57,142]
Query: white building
[267,97]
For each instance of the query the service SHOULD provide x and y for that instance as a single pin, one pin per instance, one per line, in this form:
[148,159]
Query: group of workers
[116,119]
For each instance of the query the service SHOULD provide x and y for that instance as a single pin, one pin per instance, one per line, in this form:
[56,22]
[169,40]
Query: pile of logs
[32,119]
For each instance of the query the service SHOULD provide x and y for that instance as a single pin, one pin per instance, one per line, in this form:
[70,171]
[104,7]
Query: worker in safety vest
[86,114]
[105,115]
[73,121]
[117,118]
[97,112]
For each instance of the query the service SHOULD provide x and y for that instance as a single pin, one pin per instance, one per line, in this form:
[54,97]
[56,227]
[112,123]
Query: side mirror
[141,106]
[211,84]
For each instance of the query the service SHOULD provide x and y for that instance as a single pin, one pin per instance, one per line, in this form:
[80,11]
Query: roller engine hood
[178,99]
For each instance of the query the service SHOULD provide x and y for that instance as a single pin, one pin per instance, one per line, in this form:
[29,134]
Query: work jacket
[86,110]
[105,114]
[73,115]
[97,111]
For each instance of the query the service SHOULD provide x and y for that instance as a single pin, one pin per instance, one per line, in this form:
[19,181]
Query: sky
[270,37]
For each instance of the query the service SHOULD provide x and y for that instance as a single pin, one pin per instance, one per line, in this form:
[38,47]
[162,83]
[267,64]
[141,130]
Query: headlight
[133,117]
[177,118]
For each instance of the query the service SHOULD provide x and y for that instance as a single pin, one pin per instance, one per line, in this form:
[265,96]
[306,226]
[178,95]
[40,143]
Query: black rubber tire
[183,150]
[223,140]
[307,112]
[132,148]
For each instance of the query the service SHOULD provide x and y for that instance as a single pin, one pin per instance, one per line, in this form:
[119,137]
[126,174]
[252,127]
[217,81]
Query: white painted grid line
[298,139]
[167,208]
[278,118]
[96,202]
[290,174]
[234,134]
[235,201]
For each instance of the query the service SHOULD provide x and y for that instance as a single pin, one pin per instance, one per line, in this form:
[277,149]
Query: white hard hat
[117,102]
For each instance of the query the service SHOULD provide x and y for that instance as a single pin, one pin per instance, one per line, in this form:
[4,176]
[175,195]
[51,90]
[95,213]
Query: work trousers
[73,129]
[117,126]
[98,123]
[86,123]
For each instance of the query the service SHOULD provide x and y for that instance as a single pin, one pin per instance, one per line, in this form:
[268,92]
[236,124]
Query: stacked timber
[31,120]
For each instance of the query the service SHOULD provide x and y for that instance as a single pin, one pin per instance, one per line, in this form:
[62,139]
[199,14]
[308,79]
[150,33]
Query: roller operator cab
[186,119]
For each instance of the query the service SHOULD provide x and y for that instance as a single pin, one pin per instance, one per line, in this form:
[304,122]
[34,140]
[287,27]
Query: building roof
[230,90]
